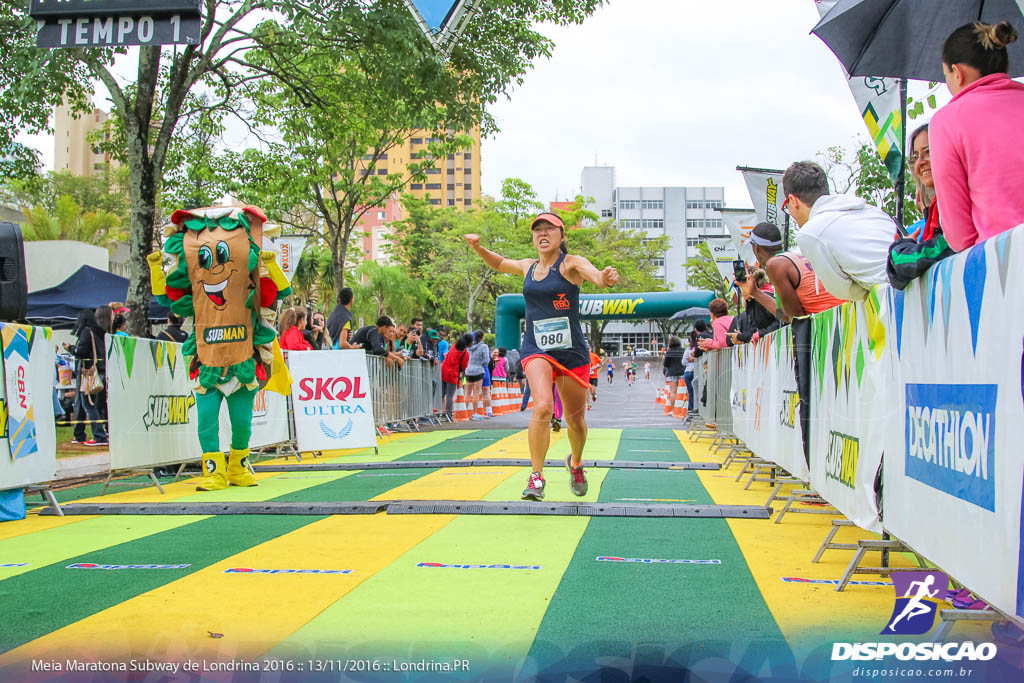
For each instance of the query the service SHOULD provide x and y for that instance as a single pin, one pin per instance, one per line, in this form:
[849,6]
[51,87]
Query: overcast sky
[675,93]
[670,92]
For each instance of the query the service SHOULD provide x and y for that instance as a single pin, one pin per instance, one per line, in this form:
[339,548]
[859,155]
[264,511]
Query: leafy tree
[701,272]
[875,186]
[387,290]
[67,221]
[297,44]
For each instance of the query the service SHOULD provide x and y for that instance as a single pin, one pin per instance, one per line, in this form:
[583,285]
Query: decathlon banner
[878,101]
[740,223]
[953,459]
[724,252]
[765,188]
[765,402]
[28,437]
[849,403]
[332,401]
[151,408]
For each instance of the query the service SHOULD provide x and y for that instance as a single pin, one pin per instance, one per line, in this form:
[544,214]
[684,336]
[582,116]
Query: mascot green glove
[216,279]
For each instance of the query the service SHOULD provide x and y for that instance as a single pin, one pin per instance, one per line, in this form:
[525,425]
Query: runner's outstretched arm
[587,271]
[497,261]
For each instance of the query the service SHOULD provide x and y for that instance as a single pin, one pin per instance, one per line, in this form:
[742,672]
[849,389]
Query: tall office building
[687,215]
[454,181]
[72,150]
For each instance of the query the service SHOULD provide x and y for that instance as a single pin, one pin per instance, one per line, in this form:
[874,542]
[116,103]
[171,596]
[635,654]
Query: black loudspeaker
[13,284]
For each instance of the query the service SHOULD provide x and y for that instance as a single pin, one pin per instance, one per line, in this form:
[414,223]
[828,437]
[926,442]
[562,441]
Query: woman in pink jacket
[977,140]
[720,322]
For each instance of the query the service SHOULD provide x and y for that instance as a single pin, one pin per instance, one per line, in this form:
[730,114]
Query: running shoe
[577,480]
[535,487]
[93,442]
[474,416]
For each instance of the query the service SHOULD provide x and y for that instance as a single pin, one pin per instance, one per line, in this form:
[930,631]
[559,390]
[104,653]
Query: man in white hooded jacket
[845,238]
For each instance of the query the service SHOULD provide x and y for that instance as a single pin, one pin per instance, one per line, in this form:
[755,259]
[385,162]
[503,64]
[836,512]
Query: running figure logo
[917,597]
[561,303]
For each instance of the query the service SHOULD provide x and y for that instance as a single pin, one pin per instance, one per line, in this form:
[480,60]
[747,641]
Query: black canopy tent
[58,307]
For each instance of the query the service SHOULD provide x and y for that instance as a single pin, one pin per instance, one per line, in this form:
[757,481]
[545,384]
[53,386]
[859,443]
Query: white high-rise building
[687,215]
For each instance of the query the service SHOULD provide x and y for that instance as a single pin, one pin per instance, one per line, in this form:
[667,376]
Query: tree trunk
[142,184]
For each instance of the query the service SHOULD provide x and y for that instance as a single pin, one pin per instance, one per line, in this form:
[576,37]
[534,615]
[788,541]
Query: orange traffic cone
[682,401]
[461,413]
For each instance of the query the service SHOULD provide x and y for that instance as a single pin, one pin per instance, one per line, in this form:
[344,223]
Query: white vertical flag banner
[878,101]
[28,437]
[288,249]
[765,188]
[332,400]
[724,252]
[740,223]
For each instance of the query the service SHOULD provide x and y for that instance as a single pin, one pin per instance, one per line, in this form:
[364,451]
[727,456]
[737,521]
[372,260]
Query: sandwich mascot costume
[221,277]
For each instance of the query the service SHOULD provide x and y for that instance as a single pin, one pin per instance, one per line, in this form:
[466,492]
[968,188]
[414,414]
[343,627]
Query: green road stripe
[37,602]
[673,605]
[489,616]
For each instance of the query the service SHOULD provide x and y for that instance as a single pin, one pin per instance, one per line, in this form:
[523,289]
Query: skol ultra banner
[332,402]
[878,101]
[152,408]
[765,403]
[848,404]
[953,457]
[28,438]
[765,188]
[740,225]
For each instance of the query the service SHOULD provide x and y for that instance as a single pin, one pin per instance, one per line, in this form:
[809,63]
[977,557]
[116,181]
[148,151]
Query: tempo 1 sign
[110,23]
[118,30]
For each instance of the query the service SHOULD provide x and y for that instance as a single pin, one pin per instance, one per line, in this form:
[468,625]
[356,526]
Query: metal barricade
[403,396]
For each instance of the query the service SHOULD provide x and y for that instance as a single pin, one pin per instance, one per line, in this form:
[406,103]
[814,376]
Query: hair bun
[995,36]
[1003,34]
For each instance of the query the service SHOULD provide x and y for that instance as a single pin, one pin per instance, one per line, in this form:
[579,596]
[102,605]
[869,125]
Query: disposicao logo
[89,565]
[442,565]
[950,439]
[250,570]
[917,596]
[653,560]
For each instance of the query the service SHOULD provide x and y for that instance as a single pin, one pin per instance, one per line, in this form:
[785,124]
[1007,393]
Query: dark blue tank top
[552,302]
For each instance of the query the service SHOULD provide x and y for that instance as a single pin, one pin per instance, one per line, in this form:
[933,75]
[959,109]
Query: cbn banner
[331,395]
[740,223]
[953,460]
[28,437]
[849,404]
[765,401]
[724,252]
[152,408]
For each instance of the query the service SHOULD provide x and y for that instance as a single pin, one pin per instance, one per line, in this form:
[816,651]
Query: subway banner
[848,407]
[152,408]
[954,463]
[765,404]
[28,437]
[332,401]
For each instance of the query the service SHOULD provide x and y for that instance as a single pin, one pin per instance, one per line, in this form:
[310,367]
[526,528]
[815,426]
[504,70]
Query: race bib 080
[552,333]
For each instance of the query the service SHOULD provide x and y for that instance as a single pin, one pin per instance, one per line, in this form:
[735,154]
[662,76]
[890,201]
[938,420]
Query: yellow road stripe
[253,611]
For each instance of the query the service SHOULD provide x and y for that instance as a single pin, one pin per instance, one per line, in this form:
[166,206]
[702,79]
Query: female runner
[553,347]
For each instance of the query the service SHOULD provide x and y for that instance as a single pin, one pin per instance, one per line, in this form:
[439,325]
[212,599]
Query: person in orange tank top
[797,290]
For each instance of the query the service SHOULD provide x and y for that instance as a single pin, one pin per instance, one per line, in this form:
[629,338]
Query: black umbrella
[694,313]
[904,38]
